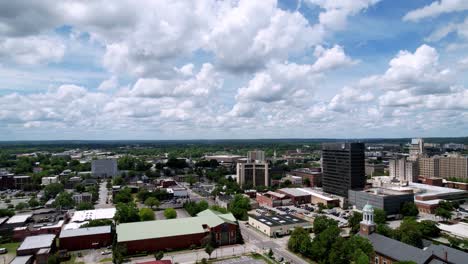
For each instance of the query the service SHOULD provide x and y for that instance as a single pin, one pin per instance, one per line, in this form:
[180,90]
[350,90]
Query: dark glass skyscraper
[343,167]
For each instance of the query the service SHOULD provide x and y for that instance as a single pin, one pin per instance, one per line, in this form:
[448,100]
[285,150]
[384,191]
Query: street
[264,243]
[103,196]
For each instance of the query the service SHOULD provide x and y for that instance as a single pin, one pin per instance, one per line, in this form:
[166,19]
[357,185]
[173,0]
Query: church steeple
[367,224]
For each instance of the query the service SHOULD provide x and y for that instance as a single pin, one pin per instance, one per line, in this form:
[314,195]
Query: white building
[48,180]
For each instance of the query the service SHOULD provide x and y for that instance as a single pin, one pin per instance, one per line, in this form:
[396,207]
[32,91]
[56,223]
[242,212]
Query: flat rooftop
[319,193]
[20,218]
[385,192]
[87,231]
[34,242]
[278,220]
[294,191]
[426,189]
[459,230]
[87,215]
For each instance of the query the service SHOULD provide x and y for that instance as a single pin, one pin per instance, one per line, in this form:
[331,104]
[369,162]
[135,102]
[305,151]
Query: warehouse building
[181,233]
[277,225]
[388,200]
[272,199]
[33,244]
[85,238]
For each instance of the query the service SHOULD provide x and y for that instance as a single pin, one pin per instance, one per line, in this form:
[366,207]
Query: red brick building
[85,238]
[181,233]
[272,199]
[313,174]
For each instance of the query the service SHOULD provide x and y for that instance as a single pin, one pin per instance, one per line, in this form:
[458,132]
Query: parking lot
[181,213]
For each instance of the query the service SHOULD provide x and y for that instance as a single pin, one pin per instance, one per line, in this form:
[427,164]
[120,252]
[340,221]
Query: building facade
[388,200]
[429,167]
[256,155]
[343,167]
[104,168]
[404,169]
[253,174]
[277,225]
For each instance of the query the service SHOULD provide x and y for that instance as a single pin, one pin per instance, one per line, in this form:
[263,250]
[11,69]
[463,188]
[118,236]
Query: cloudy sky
[168,69]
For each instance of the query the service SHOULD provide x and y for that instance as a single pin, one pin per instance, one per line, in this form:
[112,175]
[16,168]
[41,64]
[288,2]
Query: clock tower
[367,224]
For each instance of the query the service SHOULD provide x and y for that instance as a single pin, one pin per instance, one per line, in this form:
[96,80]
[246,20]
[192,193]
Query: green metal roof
[171,227]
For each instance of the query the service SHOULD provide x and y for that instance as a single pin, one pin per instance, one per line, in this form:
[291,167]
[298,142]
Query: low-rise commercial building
[277,225]
[272,199]
[310,195]
[85,238]
[31,245]
[314,175]
[386,199]
[181,233]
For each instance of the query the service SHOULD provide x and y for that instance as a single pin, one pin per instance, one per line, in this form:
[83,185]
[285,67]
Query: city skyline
[233,69]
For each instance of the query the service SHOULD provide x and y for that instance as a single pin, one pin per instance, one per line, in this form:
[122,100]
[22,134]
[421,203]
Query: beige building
[277,225]
[404,170]
[256,155]
[444,167]
[429,167]
[456,167]
[253,174]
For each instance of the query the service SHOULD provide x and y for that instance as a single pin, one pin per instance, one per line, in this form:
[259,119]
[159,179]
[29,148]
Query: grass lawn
[105,260]
[11,247]
[72,260]
[264,258]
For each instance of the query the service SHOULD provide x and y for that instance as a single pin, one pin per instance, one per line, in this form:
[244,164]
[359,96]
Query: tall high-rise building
[429,167]
[416,148]
[404,169]
[256,155]
[343,167]
[104,168]
[453,167]
[253,174]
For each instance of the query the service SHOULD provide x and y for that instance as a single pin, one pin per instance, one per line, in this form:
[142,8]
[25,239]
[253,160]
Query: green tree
[306,182]
[299,237]
[84,206]
[118,181]
[443,213]
[239,206]
[33,202]
[51,190]
[21,206]
[429,228]
[159,255]
[409,209]
[385,230]
[380,216]
[209,249]
[123,196]
[64,200]
[354,222]
[152,202]
[170,213]
[191,180]
[409,232]
[321,223]
[127,213]
[146,214]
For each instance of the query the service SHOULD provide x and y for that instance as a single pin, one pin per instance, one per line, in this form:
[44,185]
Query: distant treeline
[198,147]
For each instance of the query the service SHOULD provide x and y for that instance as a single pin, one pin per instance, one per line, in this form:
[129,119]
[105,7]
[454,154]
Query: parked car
[3,250]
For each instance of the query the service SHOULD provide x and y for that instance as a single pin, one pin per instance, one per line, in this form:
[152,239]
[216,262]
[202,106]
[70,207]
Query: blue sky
[233,69]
